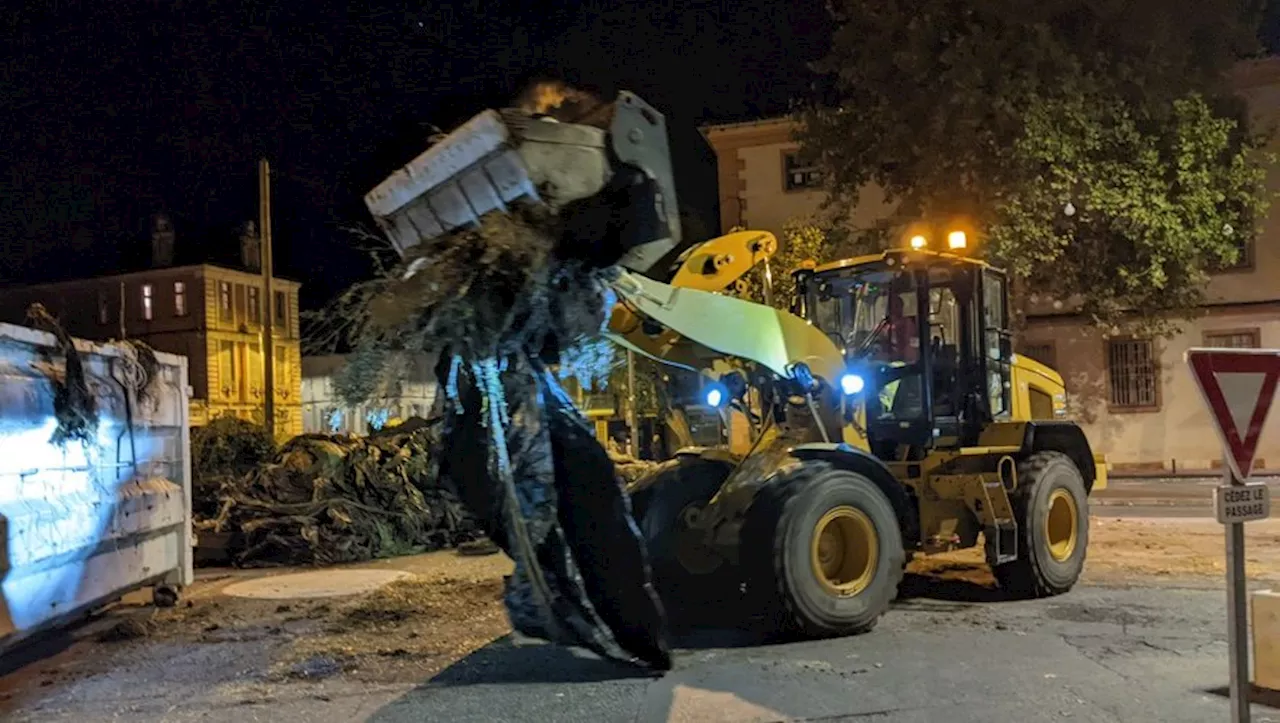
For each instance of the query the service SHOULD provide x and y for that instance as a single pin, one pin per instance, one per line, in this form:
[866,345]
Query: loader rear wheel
[686,572]
[828,551]
[1052,510]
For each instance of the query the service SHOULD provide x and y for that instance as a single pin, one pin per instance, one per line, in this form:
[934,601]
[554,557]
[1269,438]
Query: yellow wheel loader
[889,417]
[888,413]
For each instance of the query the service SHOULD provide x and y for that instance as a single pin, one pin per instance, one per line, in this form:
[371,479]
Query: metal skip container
[87,521]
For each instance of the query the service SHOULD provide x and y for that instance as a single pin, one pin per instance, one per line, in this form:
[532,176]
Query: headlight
[851,384]
[713,395]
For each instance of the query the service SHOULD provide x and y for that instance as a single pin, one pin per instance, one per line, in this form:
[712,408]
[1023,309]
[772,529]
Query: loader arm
[723,324]
[711,266]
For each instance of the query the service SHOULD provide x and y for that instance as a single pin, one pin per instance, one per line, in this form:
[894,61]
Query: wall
[82,525]
[1176,436]
[751,173]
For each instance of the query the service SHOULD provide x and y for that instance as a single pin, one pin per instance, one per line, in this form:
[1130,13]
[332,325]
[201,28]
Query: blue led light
[851,384]
[714,396]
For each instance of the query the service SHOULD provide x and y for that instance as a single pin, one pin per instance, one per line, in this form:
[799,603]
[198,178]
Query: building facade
[212,315]
[323,412]
[1135,398]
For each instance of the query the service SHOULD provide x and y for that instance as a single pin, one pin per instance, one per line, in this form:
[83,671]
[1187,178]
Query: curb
[1153,502]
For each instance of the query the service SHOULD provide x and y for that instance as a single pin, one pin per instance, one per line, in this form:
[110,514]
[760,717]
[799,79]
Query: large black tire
[823,548]
[1051,506]
[686,574]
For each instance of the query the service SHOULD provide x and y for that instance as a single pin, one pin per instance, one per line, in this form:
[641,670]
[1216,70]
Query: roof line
[773,120]
[145,272]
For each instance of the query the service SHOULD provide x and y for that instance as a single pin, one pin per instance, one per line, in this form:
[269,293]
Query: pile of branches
[332,499]
[223,452]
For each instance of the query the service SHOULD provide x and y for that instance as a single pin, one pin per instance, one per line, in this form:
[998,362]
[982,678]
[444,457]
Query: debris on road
[129,628]
[1120,549]
[326,500]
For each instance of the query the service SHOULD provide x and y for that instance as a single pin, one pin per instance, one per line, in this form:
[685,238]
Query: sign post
[1238,386]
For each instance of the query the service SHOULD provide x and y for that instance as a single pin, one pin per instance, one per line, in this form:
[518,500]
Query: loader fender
[1067,438]
[851,458]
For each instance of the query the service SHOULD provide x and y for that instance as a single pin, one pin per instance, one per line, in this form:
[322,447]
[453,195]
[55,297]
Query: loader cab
[929,334]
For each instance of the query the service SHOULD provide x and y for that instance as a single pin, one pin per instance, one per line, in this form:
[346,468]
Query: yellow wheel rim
[844,551]
[1061,525]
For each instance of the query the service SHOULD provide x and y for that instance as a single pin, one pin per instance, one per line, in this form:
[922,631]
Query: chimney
[250,247]
[161,241]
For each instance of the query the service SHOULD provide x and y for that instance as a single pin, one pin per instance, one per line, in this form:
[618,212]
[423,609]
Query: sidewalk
[1164,491]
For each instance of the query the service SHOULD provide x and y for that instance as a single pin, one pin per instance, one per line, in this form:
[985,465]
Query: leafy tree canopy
[1094,143]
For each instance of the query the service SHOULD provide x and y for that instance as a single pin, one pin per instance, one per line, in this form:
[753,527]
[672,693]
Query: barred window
[1238,339]
[1133,374]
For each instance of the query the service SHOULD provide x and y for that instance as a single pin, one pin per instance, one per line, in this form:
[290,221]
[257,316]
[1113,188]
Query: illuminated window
[179,298]
[1133,374]
[147,311]
[224,300]
[255,306]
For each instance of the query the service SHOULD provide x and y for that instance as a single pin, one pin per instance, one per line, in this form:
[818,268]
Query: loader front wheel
[1052,510]
[686,572]
[829,550]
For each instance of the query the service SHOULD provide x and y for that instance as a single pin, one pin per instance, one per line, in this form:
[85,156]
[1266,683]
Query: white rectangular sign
[1242,503]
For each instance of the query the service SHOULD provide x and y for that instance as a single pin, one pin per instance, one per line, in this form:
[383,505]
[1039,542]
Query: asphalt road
[1095,654]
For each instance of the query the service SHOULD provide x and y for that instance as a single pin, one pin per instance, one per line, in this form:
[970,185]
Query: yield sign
[1239,386]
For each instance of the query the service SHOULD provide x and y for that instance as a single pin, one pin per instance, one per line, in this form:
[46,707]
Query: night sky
[116,110]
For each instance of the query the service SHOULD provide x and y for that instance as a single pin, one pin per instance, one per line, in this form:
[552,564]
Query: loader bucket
[609,181]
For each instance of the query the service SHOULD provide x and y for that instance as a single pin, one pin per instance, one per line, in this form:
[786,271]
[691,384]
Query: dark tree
[1095,144]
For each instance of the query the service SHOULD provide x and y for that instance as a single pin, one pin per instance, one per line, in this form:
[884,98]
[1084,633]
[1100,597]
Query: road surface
[1143,638]
[1095,654]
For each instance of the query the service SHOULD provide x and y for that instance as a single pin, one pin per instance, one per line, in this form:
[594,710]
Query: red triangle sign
[1238,386]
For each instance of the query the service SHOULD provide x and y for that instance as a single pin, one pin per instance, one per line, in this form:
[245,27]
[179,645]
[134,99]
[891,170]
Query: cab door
[997,343]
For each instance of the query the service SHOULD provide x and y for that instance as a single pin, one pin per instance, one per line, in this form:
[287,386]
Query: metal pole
[268,301]
[633,448]
[768,283]
[1237,607]
[123,334]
